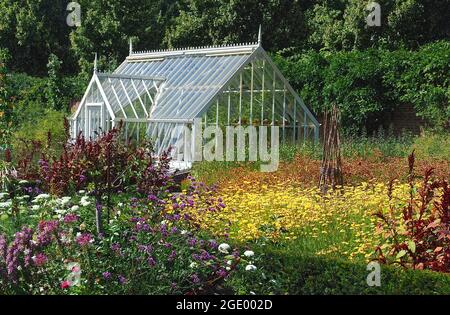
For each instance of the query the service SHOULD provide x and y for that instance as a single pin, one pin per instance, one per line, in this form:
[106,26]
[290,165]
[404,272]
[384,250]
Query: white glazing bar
[295,120]
[137,132]
[262,93]
[251,95]
[117,98]
[229,107]
[240,99]
[273,99]
[129,100]
[139,97]
[217,113]
[304,127]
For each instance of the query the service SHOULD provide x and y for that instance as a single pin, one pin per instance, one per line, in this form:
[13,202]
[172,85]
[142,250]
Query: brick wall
[404,118]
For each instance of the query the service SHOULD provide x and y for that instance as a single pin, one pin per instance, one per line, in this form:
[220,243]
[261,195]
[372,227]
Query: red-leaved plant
[421,238]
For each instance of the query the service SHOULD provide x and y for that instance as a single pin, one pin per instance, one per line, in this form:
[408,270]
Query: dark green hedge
[369,84]
[305,275]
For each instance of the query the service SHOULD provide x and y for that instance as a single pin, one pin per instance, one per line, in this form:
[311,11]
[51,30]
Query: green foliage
[107,27]
[50,121]
[54,89]
[6,106]
[201,22]
[421,78]
[433,146]
[368,85]
[31,30]
[294,273]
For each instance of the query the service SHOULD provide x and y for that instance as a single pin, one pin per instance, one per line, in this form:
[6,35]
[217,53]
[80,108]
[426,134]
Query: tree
[31,29]
[107,27]
[213,22]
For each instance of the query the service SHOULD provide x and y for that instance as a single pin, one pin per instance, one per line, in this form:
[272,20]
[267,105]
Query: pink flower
[84,239]
[40,259]
[65,284]
[70,218]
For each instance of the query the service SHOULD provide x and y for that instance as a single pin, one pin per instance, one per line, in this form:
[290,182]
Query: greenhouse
[157,95]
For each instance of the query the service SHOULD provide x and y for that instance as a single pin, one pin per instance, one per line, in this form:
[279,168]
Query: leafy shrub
[369,84]
[420,238]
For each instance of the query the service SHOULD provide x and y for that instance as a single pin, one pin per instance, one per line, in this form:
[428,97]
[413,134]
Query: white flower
[224,248]
[75,208]
[249,253]
[84,201]
[41,196]
[59,211]
[183,232]
[193,265]
[229,262]
[5,204]
[228,268]
[35,207]
[64,201]
[250,268]
[120,204]
[82,192]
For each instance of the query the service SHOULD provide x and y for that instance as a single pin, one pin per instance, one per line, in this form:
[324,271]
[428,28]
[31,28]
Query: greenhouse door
[95,119]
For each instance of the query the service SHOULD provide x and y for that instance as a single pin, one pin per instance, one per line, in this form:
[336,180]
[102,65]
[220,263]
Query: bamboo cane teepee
[331,168]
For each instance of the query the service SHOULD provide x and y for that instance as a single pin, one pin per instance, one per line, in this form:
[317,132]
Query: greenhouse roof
[192,77]
[176,86]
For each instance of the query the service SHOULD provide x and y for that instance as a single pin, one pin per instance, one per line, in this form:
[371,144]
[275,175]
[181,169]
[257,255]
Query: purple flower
[145,248]
[206,256]
[151,261]
[115,247]
[213,244]
[222,273]
[172,255]
[192,241]
[3,246]
[122,279]
[106,275]
[195,279]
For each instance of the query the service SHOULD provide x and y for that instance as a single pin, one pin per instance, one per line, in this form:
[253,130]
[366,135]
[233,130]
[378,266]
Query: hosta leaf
[401,254]
[412,246]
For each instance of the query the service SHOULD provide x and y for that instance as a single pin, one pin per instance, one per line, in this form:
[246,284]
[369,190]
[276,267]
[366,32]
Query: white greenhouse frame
[156,93]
